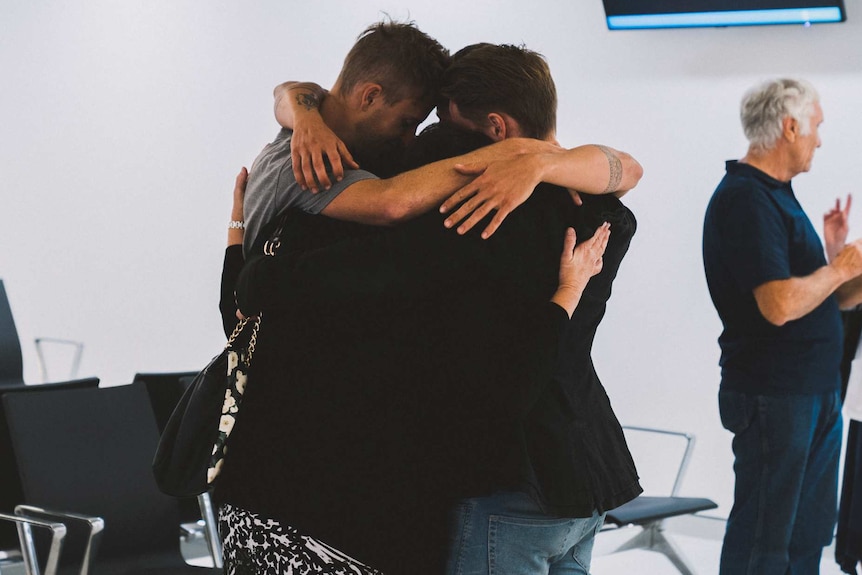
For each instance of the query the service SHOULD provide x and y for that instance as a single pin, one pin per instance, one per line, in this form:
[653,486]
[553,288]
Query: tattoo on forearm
[616,169]
[309,101]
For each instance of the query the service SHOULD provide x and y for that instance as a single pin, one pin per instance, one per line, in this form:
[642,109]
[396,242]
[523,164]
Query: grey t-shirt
[272,188]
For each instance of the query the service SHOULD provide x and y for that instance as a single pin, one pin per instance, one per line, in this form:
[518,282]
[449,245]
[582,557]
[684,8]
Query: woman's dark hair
[440,141]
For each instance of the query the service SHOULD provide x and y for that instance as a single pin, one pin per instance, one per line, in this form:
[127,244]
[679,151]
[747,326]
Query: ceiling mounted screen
[639,14]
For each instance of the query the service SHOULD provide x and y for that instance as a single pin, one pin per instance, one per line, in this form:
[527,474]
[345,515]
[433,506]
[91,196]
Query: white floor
[699,541]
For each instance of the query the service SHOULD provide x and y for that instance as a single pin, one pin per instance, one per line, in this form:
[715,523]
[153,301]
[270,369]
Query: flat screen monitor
[640,14]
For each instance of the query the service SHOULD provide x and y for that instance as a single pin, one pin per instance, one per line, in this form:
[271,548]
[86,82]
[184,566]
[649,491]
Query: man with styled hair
[488,84]
[778,297]
[540,514]
[506,91]
[401,72]
[385,89]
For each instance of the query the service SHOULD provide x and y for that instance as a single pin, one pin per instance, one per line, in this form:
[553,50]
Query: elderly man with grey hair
[778,296]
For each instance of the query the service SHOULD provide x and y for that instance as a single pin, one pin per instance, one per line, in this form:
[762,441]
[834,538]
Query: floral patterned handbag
[238,362]
[191,449]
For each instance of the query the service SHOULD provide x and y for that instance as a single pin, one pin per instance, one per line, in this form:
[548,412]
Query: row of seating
[78,448]
[11,362]
[76,465]
[86,450]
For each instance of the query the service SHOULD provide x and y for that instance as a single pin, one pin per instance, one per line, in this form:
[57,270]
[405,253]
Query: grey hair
[765,106]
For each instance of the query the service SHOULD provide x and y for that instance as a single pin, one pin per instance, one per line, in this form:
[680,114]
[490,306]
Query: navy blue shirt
[754,232]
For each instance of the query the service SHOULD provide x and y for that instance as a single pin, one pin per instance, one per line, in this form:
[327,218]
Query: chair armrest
[96,525]
[686,456]
[76,359]
[28,548]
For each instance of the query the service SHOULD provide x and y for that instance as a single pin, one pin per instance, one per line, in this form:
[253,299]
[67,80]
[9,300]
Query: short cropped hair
[765,106]
[486,78]
[406,62]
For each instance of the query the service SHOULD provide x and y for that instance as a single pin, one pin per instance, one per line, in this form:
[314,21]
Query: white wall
[123,123]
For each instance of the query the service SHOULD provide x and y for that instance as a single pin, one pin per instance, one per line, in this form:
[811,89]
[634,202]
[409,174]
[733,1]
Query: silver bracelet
[236,225]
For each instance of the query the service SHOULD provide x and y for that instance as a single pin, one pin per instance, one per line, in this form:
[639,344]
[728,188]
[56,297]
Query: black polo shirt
[754,232]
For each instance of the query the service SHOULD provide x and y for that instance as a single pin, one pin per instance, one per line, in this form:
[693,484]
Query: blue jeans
[508,534]
[785,499]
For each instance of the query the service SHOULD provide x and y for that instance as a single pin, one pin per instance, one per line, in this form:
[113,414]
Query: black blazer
[381,347]
[399,370]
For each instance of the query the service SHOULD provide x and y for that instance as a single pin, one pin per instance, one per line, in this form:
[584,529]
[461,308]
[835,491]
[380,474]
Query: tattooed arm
[591,169]
[621,164]
[297,107]
[587,169]
[292,99]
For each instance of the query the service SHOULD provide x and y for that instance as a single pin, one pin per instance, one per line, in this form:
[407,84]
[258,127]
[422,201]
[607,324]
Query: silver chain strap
[252,342]
[236,331]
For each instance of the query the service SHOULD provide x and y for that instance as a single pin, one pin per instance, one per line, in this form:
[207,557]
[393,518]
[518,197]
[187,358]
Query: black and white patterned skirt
[255,545]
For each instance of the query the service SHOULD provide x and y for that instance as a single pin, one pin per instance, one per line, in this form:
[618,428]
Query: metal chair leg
[652,538]
[211,529]
[670,550]
[28,548]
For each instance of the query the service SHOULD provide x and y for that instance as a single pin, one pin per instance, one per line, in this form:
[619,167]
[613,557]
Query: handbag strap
[252,342]
[270,247]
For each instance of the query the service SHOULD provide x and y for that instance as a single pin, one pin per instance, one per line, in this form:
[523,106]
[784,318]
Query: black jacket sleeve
[233,262]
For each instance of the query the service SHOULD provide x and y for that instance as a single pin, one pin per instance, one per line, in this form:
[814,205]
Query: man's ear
[789,128]
[496,127]
[371,95]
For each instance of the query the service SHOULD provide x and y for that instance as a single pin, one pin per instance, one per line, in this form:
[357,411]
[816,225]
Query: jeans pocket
[737,410]
[523,545]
